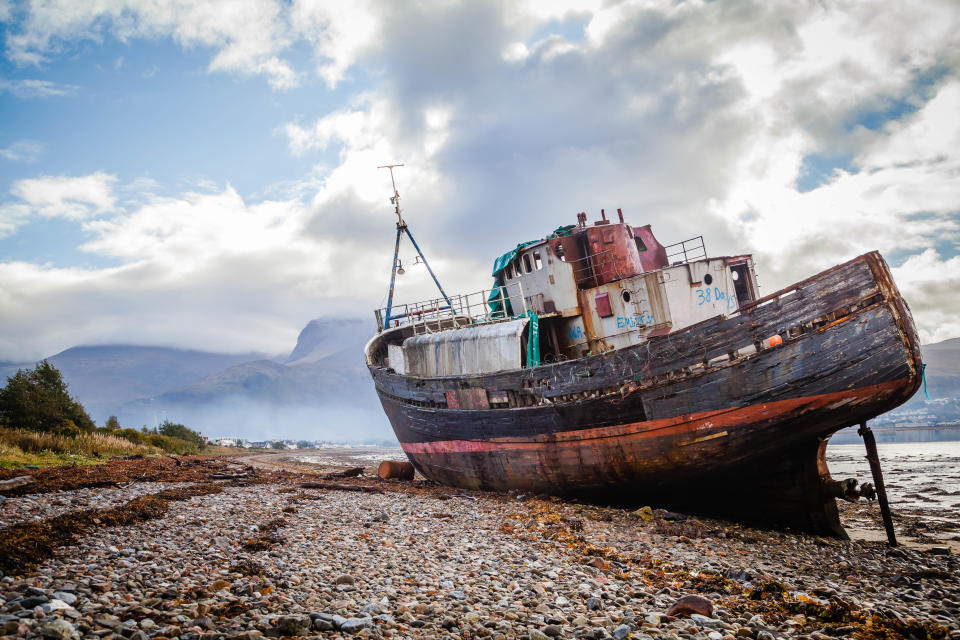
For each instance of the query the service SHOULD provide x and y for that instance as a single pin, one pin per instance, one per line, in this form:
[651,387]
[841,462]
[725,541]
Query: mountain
[321,391]
[105,377]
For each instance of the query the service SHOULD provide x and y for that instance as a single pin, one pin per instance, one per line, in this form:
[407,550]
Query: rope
[923,375]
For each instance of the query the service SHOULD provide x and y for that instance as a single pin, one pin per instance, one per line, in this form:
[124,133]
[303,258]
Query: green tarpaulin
[493,300]
[533,340]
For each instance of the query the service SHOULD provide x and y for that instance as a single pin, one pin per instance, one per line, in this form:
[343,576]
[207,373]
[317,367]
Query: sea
[917,475]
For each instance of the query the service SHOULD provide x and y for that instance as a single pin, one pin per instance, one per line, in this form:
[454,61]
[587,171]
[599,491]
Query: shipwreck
[603,365]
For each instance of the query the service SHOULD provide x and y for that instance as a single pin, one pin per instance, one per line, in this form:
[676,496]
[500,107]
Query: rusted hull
[684,420]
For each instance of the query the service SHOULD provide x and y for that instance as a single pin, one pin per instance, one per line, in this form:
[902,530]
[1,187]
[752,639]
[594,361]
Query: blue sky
[204,175]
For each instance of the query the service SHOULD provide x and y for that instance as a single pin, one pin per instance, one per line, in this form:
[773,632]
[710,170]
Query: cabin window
[516,268]
[537,262]
[526,263]
[506,273]
[640,245]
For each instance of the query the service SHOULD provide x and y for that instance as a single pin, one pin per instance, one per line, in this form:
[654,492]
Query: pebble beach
[195,548]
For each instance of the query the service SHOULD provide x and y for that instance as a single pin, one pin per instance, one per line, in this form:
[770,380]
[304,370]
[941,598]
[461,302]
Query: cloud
[242,276]
[23,151]
[246,35]
[697,117]
[74,198]
[31,88]
[929,282]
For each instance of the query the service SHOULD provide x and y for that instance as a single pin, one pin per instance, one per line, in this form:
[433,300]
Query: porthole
[735,275]
[625,295]
[708,279]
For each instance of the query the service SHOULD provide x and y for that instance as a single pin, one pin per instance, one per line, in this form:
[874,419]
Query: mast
[402,228]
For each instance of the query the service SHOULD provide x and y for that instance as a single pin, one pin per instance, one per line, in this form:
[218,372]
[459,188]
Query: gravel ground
[265,557]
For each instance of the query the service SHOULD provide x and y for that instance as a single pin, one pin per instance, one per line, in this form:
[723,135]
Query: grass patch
[19,448]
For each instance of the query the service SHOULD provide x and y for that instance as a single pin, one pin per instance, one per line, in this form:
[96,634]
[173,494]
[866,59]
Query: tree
[278,444]
[175,430]
[37,400]
[303,444]
[113,423]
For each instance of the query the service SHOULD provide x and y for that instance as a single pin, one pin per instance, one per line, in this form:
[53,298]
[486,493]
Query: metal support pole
[393,276]
[427,265]
[871,444]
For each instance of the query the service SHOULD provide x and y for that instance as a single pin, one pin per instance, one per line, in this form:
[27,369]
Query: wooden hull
[688,420]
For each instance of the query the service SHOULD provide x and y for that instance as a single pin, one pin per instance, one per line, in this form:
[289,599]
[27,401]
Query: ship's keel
[790,490]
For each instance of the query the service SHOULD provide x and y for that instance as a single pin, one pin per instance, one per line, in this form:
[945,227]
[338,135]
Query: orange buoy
[776,341]
[394,469]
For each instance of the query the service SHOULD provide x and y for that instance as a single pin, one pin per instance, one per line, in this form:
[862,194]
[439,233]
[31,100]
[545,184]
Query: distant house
[225,442]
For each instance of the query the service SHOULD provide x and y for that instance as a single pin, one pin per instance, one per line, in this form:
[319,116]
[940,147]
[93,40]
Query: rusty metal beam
[871,444]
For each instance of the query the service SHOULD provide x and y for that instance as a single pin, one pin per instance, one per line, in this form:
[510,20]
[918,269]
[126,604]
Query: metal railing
[692,249]
[596,269]
[430,316]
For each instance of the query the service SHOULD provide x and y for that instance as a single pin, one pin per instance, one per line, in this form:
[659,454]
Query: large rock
[58,629]
[690,604]
[295,625]
[355,625]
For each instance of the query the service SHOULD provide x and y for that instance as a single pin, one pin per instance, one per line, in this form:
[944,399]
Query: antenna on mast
[395,200]
[397,268]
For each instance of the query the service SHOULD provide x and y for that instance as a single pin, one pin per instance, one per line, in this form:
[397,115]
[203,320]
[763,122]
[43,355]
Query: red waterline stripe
[700,424]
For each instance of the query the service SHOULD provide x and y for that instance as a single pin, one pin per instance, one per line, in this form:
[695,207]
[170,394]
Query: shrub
[180,432]
[37,400]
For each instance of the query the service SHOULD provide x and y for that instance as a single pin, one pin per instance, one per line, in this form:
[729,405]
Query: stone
[763,634]
[293,625]
[58,629]
[323,625]
[355,625]
[219,585]
[553,630]
[592,603]
[644,513]
[345,579]
[69,598]
[621,632]
[33,601]
[690,604]
[54,605]
[536,634]
[704,621]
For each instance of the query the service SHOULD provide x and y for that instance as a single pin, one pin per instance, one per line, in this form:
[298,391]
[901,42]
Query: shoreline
[235,547]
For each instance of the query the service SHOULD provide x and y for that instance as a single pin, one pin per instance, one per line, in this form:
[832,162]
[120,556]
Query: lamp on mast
[397,267]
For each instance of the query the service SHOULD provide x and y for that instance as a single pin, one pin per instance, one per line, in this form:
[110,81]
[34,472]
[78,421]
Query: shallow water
[923,475]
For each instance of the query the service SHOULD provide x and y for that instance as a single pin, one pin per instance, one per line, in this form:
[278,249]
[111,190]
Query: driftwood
[13,483]
[348,473]
[340,487]
[228,476]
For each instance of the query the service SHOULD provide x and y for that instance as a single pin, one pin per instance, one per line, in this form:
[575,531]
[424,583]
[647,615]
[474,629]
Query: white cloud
[238,276]
[247,35]
[6,10]
[23,151]
[930,283]
[31,88]
[74,198]
[696,117]
[12,215]
[338,31]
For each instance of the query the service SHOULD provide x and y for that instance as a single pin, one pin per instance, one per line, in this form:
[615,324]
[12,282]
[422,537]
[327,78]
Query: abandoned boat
[606,366]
